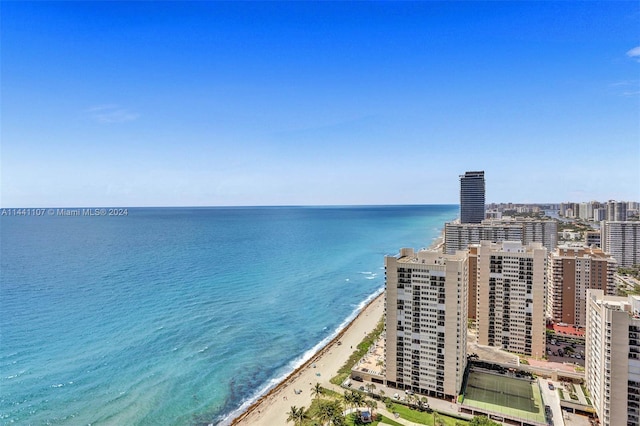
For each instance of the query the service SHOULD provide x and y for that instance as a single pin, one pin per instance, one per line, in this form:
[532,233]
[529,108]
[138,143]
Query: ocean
[182,316]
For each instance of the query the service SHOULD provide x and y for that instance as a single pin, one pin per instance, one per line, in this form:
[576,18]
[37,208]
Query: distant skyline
[323,103]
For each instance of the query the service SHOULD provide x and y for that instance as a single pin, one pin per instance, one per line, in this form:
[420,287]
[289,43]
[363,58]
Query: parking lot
[559,350]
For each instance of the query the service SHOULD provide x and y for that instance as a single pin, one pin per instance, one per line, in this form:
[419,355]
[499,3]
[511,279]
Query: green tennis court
[507,395]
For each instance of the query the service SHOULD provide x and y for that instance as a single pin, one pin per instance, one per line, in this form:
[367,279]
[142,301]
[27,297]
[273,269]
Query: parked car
[551,387]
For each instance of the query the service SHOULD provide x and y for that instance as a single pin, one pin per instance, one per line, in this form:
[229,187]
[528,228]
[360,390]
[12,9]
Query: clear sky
[202,104]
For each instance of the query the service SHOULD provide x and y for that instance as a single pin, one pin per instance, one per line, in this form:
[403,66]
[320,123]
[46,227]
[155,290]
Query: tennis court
[511,396]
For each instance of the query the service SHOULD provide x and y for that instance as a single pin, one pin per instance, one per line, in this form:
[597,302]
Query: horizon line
[226,206]
[272,205]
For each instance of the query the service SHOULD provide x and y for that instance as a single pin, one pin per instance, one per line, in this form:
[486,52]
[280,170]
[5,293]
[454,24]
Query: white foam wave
[18,374]
[297,363]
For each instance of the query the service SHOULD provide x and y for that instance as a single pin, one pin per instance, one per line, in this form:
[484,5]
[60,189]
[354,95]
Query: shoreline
[271,407]
[265,408]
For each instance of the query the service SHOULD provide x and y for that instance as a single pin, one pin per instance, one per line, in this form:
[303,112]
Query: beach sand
[271,409]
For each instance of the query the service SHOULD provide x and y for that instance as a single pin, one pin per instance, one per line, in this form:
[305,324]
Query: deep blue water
[181,315]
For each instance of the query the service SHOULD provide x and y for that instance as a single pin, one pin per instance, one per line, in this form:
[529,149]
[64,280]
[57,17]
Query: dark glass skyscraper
[472,197]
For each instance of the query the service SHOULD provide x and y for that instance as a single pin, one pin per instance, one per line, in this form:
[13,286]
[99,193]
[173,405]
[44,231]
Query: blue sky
[170,104]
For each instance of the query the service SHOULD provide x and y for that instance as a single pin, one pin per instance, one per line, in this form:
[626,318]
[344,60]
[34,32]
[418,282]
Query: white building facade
[621,239]
[426,322]
[612,354]
[511,286]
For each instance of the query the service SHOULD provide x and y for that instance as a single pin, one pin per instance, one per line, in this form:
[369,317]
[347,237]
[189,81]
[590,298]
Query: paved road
[552,399]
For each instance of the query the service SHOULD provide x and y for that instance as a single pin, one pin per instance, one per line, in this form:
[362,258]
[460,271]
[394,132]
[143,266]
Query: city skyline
[221,104]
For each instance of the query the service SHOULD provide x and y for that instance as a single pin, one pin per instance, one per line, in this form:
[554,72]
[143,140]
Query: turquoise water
[182,315]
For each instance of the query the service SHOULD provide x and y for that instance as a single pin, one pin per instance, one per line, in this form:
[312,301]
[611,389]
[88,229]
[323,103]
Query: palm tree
[330,412]
[437,420]
[317,390]
[325,412]
[372,405]
[338,420]
[410,400]
[388,403]
[372,387]
[381,393]
[424,402]
[357,399]
[292,414]
[297,415]
[348,398]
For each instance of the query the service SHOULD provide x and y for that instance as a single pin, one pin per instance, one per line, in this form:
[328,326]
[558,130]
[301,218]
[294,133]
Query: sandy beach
[271,409]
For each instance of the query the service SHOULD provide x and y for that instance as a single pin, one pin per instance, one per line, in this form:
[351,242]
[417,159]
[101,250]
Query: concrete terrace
[372,363]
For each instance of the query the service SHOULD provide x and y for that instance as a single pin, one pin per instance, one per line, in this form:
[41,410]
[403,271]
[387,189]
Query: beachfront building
[612,368]
[458,236]
[426,322]
[510,306]
[572,271]
[472,190]
[621,239]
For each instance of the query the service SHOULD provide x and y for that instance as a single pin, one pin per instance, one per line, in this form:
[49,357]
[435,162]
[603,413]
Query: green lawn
[385,421]
[388,421]
[423,417]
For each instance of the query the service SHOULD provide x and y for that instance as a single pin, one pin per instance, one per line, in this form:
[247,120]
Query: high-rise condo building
[621,239]
[612,349]
[510,306]
[472,197]
[599,214]
[426,321]
[616,211]
[472,287]
[572,271]
[458,236]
